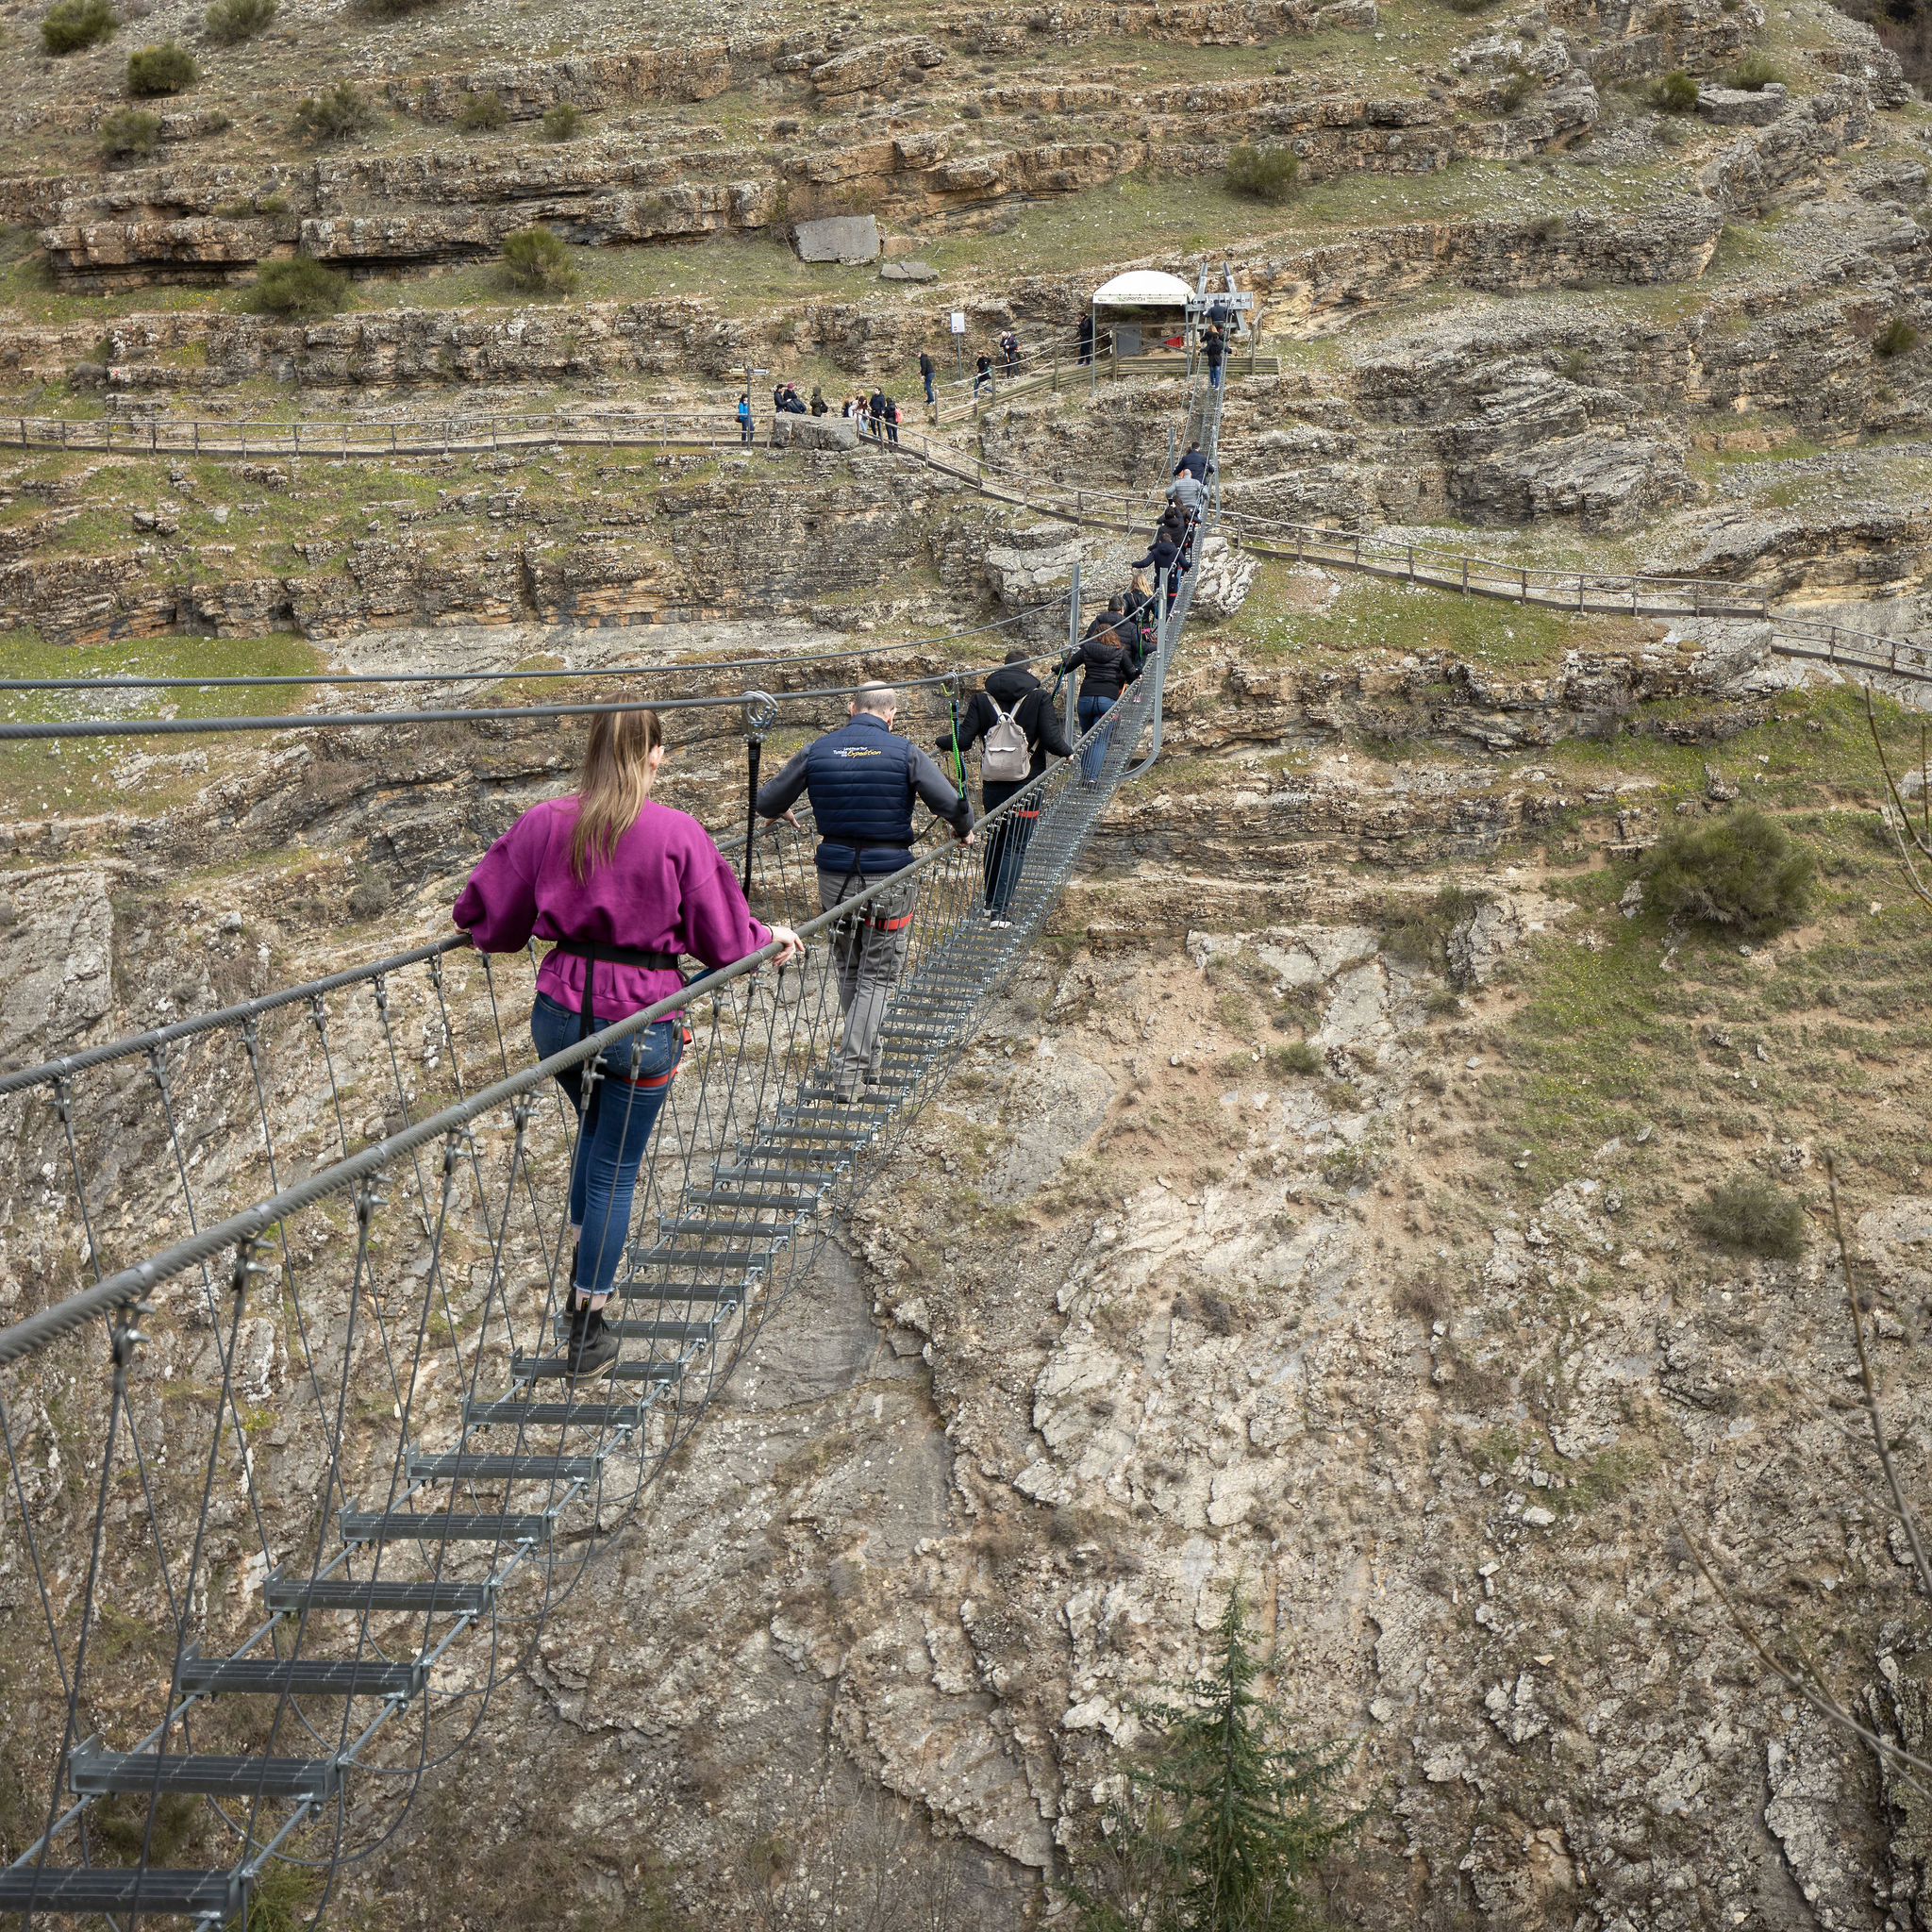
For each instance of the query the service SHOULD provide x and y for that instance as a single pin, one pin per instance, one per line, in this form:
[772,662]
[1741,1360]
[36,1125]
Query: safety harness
[591,952]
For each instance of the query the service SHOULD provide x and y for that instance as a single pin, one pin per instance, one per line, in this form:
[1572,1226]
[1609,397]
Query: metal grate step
[362,1676]
[459,1464]
[779,1168]
[732,1292]
[450,1527]
[736,1227]
[550,1368]
[506,1409]
[711,1258]
[346,1594]
[744,1198]
[94,1773]
[121,1889]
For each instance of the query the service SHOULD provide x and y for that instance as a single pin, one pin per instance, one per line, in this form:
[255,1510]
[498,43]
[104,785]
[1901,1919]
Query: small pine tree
[1223,1817]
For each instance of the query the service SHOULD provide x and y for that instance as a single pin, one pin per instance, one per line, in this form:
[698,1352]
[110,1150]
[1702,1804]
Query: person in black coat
[1164,553]
[1213,348]
[1014,689]
[1101,657]
[1085,338]
[1194,462]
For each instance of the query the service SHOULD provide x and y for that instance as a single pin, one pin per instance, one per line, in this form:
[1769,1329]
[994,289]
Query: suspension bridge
[289,1496]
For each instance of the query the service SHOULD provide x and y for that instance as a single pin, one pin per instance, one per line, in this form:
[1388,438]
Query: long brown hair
[616,780]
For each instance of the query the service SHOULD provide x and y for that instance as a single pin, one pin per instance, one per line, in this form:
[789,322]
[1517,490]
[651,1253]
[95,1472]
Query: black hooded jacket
[1011,685]
[1102,658]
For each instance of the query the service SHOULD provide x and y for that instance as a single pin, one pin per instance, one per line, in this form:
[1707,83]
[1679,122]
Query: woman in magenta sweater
[623,885]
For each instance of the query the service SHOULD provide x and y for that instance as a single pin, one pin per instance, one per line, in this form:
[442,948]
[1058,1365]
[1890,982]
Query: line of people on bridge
[624,887]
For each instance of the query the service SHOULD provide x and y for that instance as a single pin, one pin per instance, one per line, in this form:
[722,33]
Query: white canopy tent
[1142,301]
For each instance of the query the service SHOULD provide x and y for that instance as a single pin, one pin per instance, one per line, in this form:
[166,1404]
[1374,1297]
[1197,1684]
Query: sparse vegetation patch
[166,69]
[1263,173]
[482,113]
[1748,1215]
[536,261]
[1741,870]
[70,25]
[298,287]
[129,134]
[338,113]
[228,22]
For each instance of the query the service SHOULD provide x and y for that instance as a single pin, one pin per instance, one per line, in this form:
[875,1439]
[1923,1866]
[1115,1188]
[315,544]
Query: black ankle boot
[592,1347]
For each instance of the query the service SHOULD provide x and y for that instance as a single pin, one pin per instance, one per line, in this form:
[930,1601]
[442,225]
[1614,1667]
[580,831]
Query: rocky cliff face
[1414,1344]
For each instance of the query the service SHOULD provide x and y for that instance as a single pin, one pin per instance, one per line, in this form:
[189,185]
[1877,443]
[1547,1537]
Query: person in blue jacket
[863,780]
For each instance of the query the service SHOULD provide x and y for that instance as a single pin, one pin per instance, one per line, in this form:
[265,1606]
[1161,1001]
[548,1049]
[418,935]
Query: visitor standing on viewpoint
[926,375]
[624,887]
[863,780]
[1014,723]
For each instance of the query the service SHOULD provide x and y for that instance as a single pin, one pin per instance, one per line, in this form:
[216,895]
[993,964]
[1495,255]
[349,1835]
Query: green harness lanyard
[958,757]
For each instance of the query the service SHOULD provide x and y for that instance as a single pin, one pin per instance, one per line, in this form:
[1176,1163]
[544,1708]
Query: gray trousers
[869,962]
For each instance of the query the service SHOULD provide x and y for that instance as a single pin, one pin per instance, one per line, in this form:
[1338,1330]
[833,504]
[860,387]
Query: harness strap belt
[589,951]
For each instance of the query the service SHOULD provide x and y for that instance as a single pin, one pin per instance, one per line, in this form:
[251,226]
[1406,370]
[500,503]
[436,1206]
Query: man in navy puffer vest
[864,779]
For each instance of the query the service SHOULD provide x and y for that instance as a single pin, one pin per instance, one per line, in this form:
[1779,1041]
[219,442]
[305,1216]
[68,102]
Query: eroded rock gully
[1140,1310]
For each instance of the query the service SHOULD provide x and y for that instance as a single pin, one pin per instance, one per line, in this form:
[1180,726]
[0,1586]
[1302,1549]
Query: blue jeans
[929,388]
[1087,711]
[613,1129]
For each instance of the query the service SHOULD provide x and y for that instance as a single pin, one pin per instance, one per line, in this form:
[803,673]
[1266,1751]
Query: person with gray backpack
[1014,723]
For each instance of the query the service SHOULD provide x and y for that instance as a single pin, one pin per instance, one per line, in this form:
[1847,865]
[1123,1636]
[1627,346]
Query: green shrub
[1545,227]
[1514,90]
[1897,338]
[338,113]
[536,261]
[1754,72]
[1297,1057]
[163,70]
[1571,363]
[562,122]
[1265,173]
[1741,871]
[481,113]
[69,25]
[129,134]
[1748,1215]
[1467,6]
[1674,94]
[1417,930]
[299,286]
[231,21]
